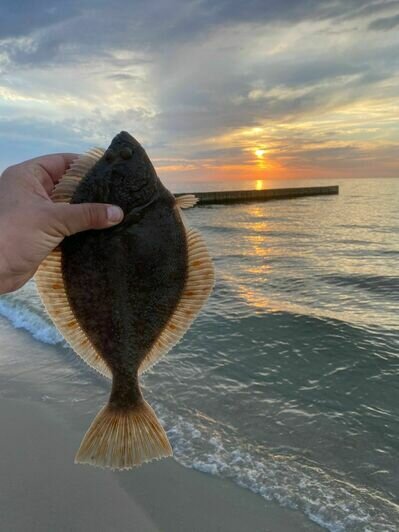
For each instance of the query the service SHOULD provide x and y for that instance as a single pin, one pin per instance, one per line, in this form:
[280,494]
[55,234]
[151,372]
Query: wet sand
[43,490]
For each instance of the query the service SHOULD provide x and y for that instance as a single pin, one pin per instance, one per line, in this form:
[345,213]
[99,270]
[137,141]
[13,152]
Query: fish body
[122,297]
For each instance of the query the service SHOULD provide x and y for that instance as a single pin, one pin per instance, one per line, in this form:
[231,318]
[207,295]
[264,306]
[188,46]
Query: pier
[241,196]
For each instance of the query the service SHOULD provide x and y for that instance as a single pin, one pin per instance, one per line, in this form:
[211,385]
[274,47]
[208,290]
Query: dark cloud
[63,31]
[347,159]
[122,77]
[288,92]
[367,9]
[22,17]
[230,155]
[383,24]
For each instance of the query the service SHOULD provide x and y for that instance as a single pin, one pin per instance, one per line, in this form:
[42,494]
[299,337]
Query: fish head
[127,174]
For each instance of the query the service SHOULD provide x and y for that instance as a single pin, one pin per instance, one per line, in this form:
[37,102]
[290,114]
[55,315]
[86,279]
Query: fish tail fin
[124,438]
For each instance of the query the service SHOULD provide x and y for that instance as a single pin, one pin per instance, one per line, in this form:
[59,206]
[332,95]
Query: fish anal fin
[186,201]
[197,288]
[51,288]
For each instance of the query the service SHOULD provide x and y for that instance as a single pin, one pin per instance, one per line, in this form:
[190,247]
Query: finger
[50,168]
[47,169]
[84,216]
[55,165]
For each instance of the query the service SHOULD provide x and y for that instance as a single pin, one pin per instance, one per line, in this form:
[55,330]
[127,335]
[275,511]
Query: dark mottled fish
[122,297]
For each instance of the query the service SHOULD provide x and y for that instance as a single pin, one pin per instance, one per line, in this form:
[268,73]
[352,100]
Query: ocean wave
[226,230]
[330,501]
[30,320]
[382,284]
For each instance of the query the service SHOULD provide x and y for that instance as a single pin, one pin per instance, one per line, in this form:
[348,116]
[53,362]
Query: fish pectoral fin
[134,216]
[130,220]
[186,201]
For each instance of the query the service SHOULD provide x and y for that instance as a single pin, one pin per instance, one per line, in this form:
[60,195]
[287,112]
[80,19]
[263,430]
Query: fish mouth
[125,136]
[125,140]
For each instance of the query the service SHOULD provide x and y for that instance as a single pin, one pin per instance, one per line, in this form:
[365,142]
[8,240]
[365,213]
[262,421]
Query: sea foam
[333,503]
[31,321]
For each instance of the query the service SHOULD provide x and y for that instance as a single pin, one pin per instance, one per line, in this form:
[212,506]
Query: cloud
[387,23]
[62,31]
[21,18]
[191,79]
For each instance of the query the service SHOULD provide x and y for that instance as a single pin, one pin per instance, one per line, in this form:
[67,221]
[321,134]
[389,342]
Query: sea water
[287,383]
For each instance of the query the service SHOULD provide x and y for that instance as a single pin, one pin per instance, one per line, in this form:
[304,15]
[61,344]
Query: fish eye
[126,153]
[110,155]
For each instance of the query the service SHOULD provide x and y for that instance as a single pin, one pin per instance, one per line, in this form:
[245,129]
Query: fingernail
[114,214]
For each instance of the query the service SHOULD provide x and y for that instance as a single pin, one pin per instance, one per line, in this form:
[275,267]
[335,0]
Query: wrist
[8,282]
[4,275]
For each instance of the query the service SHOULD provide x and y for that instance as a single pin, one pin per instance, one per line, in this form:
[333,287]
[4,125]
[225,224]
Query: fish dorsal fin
[49,279]
[51,288]
[186,201]
[65,188]
[198,286]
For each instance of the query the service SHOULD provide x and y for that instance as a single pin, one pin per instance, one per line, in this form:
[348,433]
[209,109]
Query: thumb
[84,216]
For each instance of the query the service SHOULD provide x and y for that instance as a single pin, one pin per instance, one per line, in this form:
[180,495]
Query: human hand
[31,225]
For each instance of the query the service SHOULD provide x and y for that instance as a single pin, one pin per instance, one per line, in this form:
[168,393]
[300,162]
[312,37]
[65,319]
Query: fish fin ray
[65,188]
[186,201]
[124,438]
[198,286]
[51,288]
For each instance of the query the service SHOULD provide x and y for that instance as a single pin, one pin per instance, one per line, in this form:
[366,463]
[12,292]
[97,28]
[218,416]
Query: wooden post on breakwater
[240,196]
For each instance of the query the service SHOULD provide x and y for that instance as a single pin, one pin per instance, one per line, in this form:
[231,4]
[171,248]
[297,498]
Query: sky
[213,89]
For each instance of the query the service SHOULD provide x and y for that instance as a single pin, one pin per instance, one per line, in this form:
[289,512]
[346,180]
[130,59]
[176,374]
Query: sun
[259,152]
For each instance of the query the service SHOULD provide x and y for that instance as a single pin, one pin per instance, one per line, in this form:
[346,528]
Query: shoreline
[38,475]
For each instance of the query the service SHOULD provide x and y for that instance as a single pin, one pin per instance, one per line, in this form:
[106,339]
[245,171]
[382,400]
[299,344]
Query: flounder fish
[123,296]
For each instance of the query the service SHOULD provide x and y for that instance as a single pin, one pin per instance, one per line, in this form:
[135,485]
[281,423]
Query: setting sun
[259,152]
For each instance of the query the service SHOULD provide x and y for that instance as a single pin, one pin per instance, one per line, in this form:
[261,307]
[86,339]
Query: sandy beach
[42,489]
